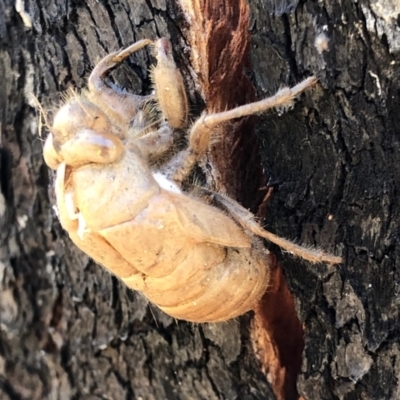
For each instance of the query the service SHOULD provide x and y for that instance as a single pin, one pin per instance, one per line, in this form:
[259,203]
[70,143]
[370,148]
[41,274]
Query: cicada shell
[196,261]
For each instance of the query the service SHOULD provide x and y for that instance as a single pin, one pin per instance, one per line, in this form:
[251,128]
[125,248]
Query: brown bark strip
[220,40]
[277,336]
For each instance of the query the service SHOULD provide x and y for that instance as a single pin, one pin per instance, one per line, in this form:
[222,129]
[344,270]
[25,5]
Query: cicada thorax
[91,242]
[113,194]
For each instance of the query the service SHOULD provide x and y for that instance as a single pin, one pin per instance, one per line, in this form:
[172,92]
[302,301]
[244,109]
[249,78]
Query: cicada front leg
[117,103]
[171,100]
[169,86]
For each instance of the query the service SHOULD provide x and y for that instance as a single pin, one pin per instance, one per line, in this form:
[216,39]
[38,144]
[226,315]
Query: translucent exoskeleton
[196,261]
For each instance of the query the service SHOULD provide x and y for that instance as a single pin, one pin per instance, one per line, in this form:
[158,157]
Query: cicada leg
[118,104]
[201,132]
[246,219]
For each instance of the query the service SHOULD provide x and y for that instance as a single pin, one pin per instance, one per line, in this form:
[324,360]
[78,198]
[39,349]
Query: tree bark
[69,330]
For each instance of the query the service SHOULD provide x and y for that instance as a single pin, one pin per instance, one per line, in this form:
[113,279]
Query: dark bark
[70,330]
[335,158]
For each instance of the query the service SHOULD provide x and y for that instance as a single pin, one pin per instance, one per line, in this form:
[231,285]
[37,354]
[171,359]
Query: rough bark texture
[335,158]
[70,330]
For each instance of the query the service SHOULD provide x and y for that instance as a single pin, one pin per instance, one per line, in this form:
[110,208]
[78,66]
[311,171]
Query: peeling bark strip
[277,336]
[219,38]
[220,41]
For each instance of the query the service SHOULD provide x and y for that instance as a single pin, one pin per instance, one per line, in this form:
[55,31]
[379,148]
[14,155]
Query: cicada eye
[56,145]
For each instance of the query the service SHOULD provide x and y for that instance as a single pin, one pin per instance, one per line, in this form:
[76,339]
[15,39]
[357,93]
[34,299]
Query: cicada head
[81,134]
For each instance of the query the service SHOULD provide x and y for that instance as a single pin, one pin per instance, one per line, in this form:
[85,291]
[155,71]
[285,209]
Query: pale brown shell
[194,261]
[187,257]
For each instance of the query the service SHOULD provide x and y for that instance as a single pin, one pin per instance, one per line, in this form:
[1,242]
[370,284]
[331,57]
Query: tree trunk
[69,330]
